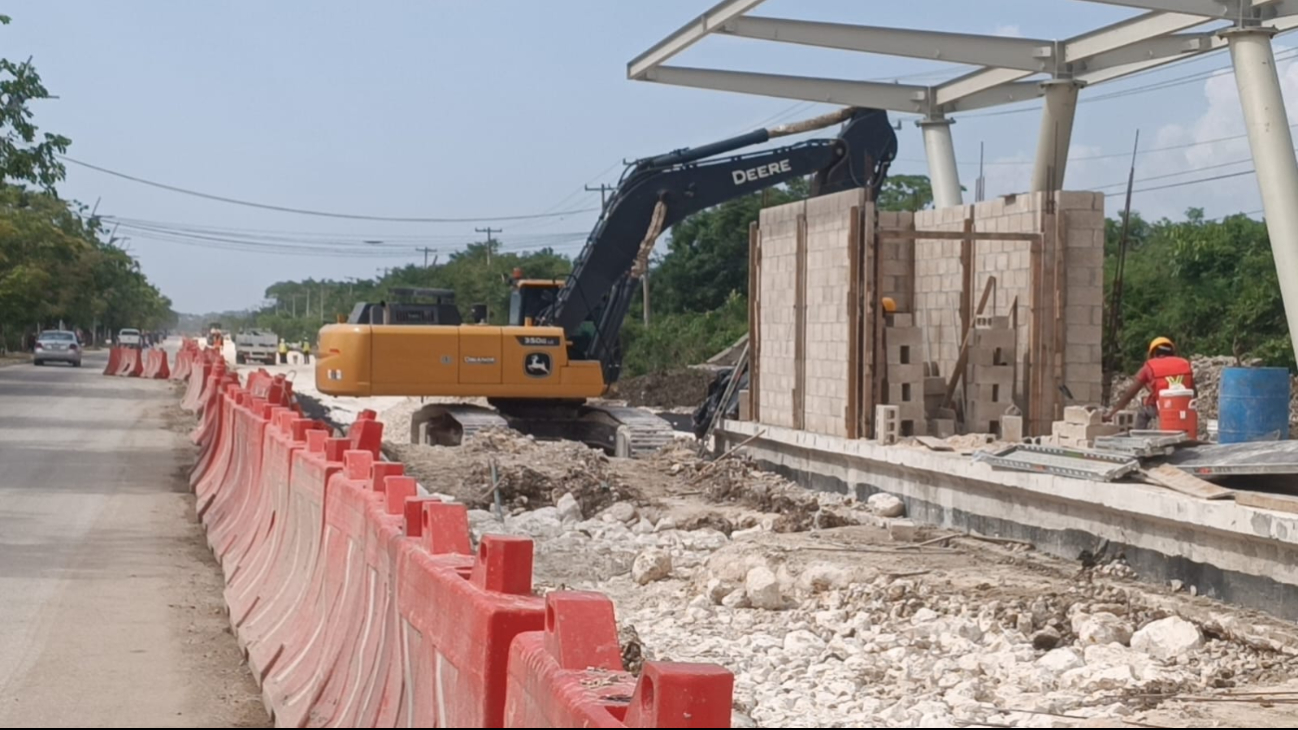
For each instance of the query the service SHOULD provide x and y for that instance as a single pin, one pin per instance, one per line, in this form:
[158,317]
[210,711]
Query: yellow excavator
[561,346]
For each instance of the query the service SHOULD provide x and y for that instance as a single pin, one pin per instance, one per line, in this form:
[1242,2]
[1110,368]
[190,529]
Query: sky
[501,108]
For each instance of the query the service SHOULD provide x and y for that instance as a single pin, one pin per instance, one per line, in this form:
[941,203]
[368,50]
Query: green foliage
[26,156]
[906,193]
[707,256]
[1211,286]
[682,338]
[297,309]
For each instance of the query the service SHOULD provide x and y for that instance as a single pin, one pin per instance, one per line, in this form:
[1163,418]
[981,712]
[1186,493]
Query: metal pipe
[691,154]
[1057,115]
[944,174]
[1273,153]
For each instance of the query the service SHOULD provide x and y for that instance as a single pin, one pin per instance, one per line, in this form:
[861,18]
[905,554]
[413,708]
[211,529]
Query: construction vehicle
[561,345]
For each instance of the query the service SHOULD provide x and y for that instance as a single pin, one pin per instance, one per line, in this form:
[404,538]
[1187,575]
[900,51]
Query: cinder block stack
[1081,426]
[887,426]
[989,377]
[904,378]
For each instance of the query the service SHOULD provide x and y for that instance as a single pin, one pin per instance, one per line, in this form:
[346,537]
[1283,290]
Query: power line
[307,211]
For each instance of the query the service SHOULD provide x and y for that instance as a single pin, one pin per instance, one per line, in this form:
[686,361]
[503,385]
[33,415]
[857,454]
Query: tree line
[58,264]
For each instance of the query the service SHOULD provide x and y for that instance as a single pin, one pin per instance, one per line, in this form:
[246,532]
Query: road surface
[110,607]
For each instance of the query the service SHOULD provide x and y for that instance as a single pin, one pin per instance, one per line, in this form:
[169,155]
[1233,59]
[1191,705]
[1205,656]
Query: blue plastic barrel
[1253,405]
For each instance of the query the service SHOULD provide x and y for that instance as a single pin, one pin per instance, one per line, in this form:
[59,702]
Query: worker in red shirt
[1163,370]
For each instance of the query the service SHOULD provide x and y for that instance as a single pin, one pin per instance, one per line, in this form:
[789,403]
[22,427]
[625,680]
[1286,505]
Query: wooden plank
[1175,479]
[869,313]
[879,356]
[1054,221]
[934,444]
[1262,500]
[800,328]
[958,373]
[755,322]
[1036,366]
[854,317]
[967,254]
[903,234]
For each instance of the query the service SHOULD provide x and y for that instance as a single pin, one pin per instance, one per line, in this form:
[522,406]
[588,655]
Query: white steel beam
[1025,54]
[1225,9]
[988,78]
[893,97]
[689,34]
[1091,77]
[1171,47]
[1012,93]
[1127,32]
[943,172]
[1271,141]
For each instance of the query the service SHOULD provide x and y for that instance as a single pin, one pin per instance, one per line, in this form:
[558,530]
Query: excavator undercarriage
[616,430]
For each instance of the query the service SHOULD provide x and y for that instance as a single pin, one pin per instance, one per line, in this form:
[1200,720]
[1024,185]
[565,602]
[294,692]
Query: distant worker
[1163,370]
[283,352]
[306,352]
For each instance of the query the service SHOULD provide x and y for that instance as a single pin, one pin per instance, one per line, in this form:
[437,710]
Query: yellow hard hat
[1160,342]
[889,305]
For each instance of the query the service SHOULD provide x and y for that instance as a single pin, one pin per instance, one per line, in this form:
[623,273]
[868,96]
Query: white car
[129,338]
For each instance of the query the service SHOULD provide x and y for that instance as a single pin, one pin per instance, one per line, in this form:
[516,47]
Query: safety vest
[283,348]
[1169,372]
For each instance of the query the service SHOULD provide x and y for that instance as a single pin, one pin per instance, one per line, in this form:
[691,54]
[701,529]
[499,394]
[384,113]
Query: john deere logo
[537,365]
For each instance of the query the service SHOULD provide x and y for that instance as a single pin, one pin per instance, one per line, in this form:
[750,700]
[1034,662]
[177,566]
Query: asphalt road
[110,612]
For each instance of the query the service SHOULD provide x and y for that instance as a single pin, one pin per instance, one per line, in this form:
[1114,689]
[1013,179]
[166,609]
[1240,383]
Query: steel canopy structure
[1011,70]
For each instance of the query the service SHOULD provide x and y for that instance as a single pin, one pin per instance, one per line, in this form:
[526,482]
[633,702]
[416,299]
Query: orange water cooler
[1177,411]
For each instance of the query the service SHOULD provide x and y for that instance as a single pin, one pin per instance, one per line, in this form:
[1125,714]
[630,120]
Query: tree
[26,156]
[906,193]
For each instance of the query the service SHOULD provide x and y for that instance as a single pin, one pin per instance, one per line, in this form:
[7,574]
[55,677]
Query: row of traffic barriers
[131,362]
[360,603]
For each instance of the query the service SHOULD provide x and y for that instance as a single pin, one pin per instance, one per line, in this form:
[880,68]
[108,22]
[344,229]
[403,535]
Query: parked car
[57,346]
[130,338]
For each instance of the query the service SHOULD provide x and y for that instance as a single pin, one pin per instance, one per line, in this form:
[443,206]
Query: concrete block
[899,393]
[1083,433]
[903,355]
[1002,375]
[1012,428]
[1085,415]
[887,424]
[934,386]
[912,336]
[941,427]
[900,320]
[1005,339]
[1125,420]
[909,373]
[903,530]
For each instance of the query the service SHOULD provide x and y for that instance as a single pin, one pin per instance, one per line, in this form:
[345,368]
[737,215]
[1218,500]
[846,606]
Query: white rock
[651,565]
[822,577]
[717,590]
[924,616]
[623,512]
[543,523]
[763,590]
[1061,660]
[802,643]
[736,599]
[1168,639]
[886,505]
[569,508]
[643,527]
[1100,629]
[665,524]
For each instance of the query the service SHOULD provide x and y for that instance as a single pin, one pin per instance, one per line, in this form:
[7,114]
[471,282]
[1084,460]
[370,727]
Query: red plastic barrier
[114,361]
[199,372]
[231,516]
[570,675]
[279,632]
[458,629]
[216,443]
[161,370]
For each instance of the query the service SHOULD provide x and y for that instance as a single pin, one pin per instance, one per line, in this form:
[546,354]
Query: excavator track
[616,430]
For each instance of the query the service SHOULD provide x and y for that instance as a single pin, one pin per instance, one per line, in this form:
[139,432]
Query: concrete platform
[1240,555]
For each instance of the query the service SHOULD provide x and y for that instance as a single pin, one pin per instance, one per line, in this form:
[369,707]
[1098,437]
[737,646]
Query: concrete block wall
[829,228]
[777,279]
[926,278]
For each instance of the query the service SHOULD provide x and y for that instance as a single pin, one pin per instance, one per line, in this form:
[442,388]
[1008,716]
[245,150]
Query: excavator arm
[658,192]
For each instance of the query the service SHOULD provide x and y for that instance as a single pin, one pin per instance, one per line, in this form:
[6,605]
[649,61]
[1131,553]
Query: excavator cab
[530,297]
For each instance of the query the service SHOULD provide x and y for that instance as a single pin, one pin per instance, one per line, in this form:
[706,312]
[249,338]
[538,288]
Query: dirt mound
[684,387]
[528,475]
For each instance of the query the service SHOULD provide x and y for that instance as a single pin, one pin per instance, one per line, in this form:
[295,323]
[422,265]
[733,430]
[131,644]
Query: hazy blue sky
[441,108]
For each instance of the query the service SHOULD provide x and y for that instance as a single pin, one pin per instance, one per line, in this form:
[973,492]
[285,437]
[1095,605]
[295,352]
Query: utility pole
[426,251]
[490,242]
[604,189]
[308,304]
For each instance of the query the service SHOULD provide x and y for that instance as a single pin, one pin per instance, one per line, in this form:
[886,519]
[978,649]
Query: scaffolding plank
[1175,479]
[1254,458]
[1262,500]
[1060,461]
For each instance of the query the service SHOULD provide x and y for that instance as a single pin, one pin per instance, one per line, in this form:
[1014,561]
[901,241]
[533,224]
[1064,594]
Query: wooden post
[800,329]
[967,275]
[855,314]
[754,321]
